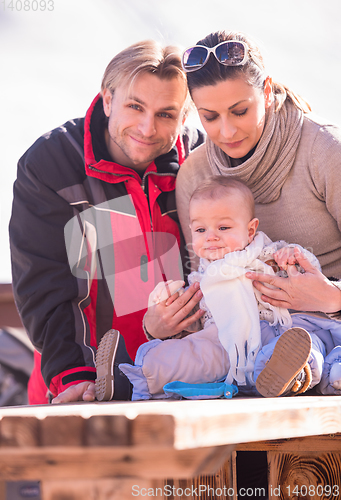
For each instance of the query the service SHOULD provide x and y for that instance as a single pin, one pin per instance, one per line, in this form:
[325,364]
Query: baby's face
[220,226]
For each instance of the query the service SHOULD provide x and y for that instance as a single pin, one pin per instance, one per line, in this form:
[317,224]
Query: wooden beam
[326,443]
[70,462]
[181,424]
[221,485]
[100,489]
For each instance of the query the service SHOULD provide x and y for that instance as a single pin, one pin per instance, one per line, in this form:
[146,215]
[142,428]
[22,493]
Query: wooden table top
[181,424]
[151,439]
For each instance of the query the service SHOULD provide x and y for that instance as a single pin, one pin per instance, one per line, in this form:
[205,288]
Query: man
[94,223]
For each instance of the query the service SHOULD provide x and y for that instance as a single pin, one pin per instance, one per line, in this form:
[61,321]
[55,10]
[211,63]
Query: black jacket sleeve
[49,298]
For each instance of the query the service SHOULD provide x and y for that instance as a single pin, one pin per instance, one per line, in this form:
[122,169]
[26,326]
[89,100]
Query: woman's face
[233,114]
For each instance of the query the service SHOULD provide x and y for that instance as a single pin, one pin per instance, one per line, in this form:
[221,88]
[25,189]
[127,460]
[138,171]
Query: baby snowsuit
[227,346]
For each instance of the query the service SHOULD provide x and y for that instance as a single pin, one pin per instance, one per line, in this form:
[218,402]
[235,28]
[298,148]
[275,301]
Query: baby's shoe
[287,372]
[111,383]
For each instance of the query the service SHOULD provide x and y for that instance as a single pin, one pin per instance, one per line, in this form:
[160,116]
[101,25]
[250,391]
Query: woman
[262,133]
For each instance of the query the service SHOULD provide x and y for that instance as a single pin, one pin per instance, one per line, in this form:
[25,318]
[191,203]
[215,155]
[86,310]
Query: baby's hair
[219,186]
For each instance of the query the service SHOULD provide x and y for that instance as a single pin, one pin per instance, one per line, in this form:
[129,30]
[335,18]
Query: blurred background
[52,59]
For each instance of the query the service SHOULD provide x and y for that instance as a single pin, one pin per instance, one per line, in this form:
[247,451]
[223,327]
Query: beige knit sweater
[308,211]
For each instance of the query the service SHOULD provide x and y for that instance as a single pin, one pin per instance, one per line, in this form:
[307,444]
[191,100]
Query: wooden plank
[218,486]
[302,475]
[251,420]
[327,443]
[234,474]
[191,424]
[19,432]
[103,430]
[56,431]
[148,430]
[100,489]
[108,462]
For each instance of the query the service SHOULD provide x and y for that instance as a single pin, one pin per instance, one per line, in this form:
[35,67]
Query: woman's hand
[310,291]
[168,317]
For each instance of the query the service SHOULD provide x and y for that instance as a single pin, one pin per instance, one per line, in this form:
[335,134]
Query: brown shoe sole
[105,357]
[291,353]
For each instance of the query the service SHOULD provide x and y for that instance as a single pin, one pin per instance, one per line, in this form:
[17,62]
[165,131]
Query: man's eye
[165,115]
[135,106]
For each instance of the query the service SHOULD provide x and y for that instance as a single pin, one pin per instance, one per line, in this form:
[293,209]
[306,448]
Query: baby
[237,322]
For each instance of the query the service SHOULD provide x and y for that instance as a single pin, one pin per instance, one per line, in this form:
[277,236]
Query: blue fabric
[325,386]
[325,334]
[211,390]
[137,379]
[135,373]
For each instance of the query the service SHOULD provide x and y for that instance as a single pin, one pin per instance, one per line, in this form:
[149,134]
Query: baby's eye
[200,230]
[223,228]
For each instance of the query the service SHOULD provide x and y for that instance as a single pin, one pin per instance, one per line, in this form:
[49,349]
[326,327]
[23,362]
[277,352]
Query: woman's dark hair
[253,71]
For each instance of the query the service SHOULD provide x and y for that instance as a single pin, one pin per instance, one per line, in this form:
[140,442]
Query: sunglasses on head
[229,53]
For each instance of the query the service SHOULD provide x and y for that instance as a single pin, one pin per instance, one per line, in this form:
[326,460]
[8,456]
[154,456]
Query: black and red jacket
[89,241]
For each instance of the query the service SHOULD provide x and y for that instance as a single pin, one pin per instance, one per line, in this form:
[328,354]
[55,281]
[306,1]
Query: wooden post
[310,476]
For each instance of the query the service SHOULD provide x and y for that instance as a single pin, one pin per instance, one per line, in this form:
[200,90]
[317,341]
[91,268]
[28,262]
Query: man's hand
[168,317]
[84,391]
[310,291]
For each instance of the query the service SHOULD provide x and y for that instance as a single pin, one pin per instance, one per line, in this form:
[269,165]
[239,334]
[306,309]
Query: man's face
[144,120]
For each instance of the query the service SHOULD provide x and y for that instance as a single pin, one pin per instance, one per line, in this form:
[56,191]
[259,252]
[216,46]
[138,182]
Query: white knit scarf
[267,169]
[230,297]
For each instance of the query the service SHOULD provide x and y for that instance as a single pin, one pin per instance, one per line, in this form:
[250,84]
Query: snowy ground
[52,61]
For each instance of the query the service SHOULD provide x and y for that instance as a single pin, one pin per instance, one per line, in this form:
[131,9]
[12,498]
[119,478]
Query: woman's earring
[269,98]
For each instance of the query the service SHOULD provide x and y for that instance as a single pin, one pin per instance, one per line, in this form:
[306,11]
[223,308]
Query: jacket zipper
[143,185]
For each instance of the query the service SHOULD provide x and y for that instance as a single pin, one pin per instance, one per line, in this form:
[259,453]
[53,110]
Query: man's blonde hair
[144,57]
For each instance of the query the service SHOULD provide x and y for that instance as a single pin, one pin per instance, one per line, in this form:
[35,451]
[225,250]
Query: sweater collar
[266,171]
